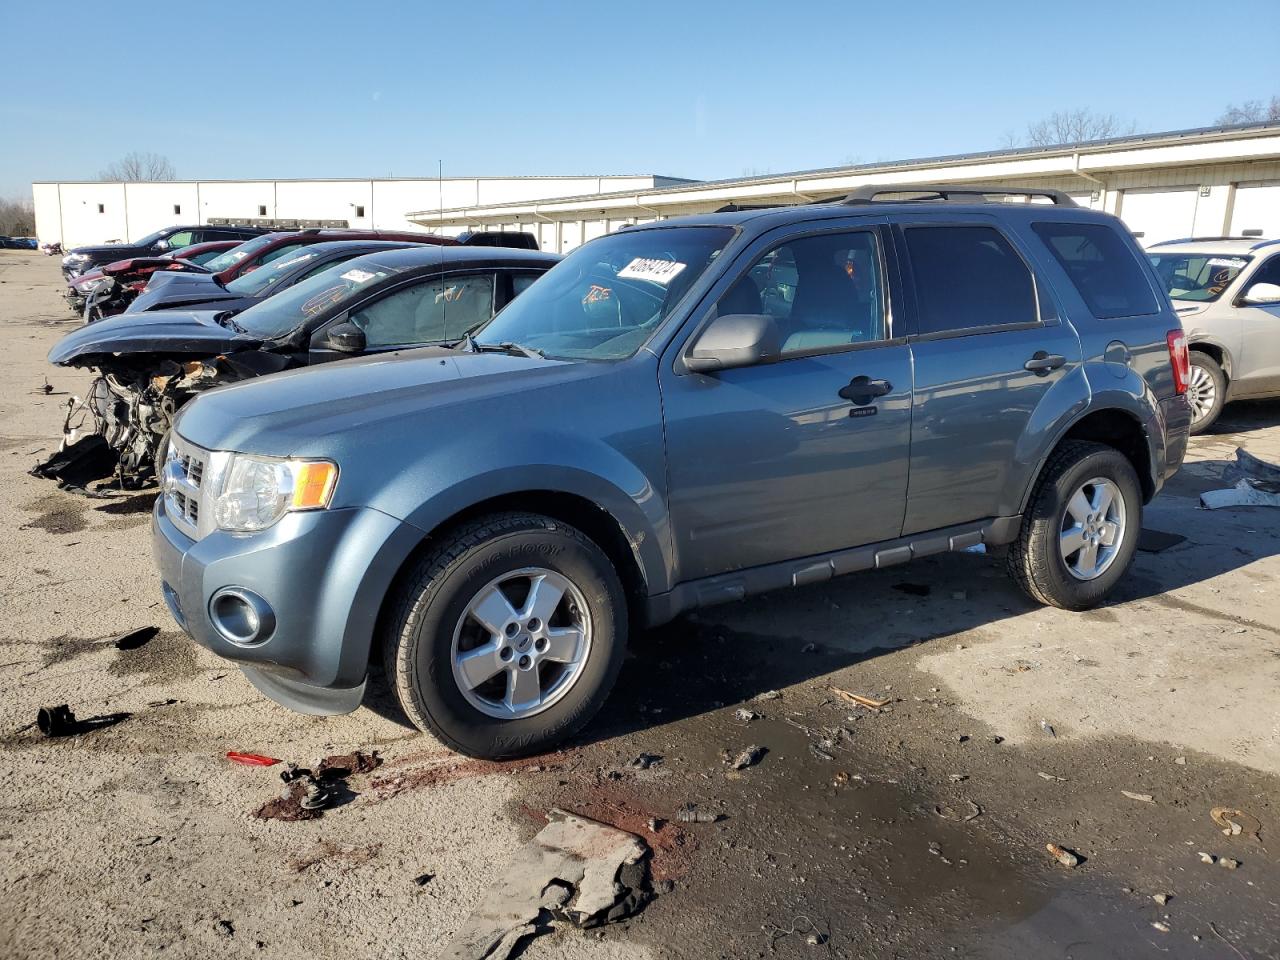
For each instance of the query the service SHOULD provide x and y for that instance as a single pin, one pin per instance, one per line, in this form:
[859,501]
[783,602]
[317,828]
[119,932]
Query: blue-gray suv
[679,414]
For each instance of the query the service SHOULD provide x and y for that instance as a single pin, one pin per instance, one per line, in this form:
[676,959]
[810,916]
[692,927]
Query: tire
[1036,560]
[1207,391]
[432,623]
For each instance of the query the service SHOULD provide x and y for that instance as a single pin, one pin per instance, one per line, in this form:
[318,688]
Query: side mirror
[735,340]
[346,337]
[1262,295]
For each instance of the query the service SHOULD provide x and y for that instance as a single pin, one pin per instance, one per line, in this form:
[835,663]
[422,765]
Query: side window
[438,310]
[520,282]
[183,238]
[1269,272]
[1102,268]
[823,291]
[279,252]
[968,277]
[319,267]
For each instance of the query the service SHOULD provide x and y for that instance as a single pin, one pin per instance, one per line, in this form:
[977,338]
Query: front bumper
[324,575]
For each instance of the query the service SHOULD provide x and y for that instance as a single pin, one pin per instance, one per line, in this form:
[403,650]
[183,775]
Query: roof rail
[1262,243]
[1165,243]
[868,193]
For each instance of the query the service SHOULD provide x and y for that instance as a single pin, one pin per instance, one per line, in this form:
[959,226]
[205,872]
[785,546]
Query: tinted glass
[181,239]
[968,277]
[1104,270]
[291,308]
[1269,272]
[439,310]
[822,291]
[257,281]
[233,256]
[1198,277]
[604,300]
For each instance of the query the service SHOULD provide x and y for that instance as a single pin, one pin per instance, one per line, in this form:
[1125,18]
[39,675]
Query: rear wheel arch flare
[1119,429]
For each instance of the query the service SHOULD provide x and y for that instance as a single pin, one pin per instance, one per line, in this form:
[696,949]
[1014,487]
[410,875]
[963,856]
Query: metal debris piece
[1144,797]
[1047,727]
[645,760]
[1068,858]
[742,713]
[747,758]
[574,869]
[857,699]
[690,813]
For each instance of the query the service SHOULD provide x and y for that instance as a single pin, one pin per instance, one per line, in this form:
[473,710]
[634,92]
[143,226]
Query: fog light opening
[241,616]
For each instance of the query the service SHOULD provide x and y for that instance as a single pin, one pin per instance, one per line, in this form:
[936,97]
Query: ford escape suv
[1226,291]
[675,415]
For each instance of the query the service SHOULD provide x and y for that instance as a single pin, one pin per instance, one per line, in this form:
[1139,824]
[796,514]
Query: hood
[179,289]
[279,414]
[105,252]
[162,332]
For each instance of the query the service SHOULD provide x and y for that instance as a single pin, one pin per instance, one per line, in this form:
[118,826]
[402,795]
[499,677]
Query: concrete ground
[915,831]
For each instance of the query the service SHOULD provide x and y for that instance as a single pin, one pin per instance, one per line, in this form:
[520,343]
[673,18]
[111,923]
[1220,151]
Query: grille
[186,474]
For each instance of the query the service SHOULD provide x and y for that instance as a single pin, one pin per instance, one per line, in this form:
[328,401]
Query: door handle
[1041,363]
[862,390]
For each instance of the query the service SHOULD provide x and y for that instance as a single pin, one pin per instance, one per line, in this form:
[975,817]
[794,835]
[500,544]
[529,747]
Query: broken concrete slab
[574,869]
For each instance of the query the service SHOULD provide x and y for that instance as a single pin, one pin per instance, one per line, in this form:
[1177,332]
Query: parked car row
[674,415]
[114,285]
[19,243]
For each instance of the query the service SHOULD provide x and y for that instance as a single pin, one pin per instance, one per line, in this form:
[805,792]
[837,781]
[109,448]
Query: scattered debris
[1234,822]
[347,764]
[1157,541]
[1049,776]
[225,927]
[857,699]
[135,638]
[1047,728]
[1144,797]
[1249,492]
[1207,857]
[1068,858]
[423,879]
[690,813]
[1161,926]
[947,812]
[1162,898]
[1180,761]
[574,869]
[767,695]
[747,758]
[307,795]
[914,589]
[745,715]
[815,937]
[1227,863]
[655,824]
[251,759]
[645,760]
[60,721]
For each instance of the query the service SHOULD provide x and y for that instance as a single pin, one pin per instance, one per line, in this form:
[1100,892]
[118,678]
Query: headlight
[91,285]
[71,258]
[257,492]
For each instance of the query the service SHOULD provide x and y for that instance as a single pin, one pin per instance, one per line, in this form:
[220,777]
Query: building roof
[1230,246]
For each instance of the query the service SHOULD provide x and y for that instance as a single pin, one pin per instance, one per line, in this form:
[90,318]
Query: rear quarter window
[1102,268]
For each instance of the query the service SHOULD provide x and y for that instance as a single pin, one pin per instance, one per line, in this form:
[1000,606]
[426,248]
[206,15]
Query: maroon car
[131,274]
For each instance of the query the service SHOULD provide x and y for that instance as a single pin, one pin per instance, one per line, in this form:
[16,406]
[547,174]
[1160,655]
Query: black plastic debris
[61,721]
[1155,541]
[88,459]
[135,638]
[423,879]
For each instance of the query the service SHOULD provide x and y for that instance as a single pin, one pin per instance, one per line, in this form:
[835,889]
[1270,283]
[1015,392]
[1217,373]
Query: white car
[1226,291]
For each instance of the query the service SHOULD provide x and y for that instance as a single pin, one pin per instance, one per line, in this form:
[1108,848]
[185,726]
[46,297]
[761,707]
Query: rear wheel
[508,636]
[1081,529]
[1206,391]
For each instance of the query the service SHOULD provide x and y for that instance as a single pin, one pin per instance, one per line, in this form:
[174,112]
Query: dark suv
[81,259]
[679,414]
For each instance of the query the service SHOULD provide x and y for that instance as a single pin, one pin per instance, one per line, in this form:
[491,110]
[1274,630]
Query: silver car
[1227,293]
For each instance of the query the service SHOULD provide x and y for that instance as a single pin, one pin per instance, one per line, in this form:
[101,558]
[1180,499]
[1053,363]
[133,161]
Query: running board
[731,587]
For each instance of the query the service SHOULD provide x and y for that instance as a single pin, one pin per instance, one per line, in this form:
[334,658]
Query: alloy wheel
[1093,528]
[1202,393]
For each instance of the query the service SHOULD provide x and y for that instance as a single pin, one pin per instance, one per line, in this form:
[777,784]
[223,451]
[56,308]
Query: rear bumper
[1175,413]
[322,576]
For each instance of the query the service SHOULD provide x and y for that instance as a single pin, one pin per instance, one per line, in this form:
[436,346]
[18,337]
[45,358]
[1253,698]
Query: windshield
[236,254]
[257,281]
[286,311]
[1198,277]
[150,239]
[604,300]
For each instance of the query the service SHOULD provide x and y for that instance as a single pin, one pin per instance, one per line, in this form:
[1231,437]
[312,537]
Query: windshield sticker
[1235,262]
[598,293]
[237,256]
[655,271]
[325,299]
[358,276]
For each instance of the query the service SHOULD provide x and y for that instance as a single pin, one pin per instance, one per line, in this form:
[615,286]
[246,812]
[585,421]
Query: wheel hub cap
[1202,393]
[1093,528]
[521,643]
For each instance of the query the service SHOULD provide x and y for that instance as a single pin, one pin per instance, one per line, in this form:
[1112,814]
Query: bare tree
[17,218]
[139,166]
[1076,126]
[1252,111]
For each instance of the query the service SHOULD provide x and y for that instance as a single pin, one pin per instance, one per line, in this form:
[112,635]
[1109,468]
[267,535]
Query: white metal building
[1211,181]
[88,212]
[1206,182]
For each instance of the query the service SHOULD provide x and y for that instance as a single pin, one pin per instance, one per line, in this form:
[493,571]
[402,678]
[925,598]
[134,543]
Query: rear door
[988,346]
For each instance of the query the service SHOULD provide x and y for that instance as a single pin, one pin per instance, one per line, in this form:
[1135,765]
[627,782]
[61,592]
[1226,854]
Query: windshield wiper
[508,346]
[227,319]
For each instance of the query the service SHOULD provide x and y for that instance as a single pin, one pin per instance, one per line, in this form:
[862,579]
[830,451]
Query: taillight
[1180,358]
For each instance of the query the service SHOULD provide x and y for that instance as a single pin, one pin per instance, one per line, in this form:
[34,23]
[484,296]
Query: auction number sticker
[358,276]
[655,271]
[1226,262]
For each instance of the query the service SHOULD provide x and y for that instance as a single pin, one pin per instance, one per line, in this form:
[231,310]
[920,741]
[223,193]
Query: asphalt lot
[141,837]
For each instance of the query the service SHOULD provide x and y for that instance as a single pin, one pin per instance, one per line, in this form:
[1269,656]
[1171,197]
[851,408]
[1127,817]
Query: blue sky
[687,89]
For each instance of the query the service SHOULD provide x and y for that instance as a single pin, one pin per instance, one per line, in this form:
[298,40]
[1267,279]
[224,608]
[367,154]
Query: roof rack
[868,193]
[1262,243]
[1165,243]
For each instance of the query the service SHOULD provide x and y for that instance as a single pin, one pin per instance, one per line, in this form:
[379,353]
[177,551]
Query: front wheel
[507,637]
[1081,529]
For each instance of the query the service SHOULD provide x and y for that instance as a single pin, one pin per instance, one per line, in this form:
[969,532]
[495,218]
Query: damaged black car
[149,364]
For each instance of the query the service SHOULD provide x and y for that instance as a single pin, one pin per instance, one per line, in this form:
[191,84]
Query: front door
[988,346]
[1257,369]
[808,454]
